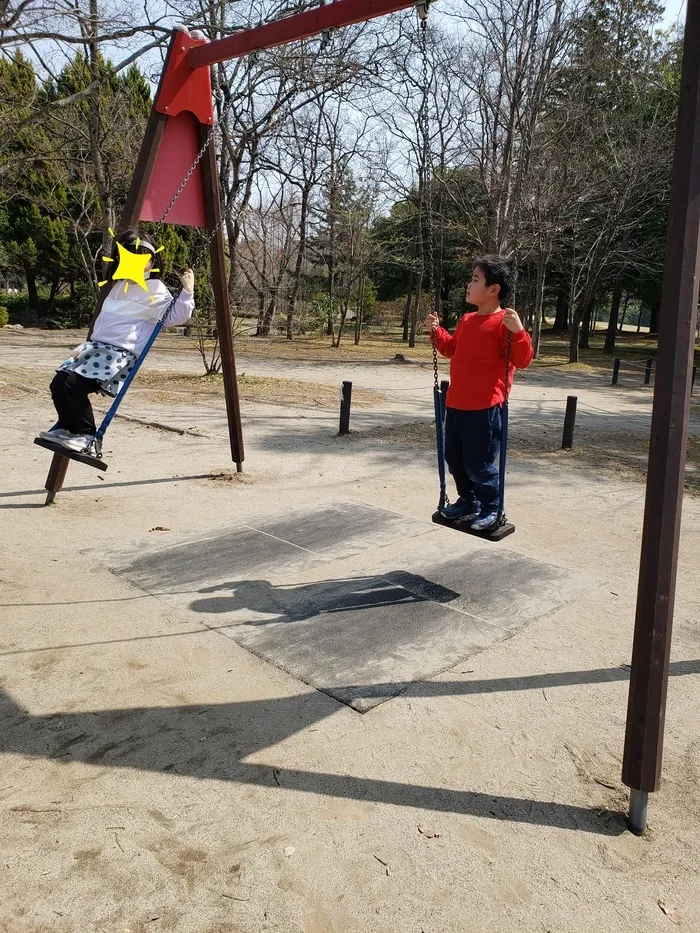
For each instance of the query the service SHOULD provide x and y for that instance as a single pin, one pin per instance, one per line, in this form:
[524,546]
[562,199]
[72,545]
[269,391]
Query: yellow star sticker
[132,267]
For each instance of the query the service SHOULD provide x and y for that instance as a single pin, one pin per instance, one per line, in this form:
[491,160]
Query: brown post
[641,769]
[212,209]
[57,474]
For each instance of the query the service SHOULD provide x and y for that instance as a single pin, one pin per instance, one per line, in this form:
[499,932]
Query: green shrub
[14,305]
[4,317]
[69,312]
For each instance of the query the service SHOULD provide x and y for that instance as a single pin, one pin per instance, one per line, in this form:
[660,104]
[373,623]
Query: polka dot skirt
[106,364]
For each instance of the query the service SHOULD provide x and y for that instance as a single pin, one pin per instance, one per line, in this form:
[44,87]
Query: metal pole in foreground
[567,440]
[641,768]
[345,402]
[639,807]
[616,371]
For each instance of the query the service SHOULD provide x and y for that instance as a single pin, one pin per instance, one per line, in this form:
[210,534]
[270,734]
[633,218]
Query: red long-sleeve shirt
[477,354]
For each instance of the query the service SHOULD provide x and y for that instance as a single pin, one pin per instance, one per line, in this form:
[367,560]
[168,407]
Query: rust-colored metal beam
[292,28]
[646,712]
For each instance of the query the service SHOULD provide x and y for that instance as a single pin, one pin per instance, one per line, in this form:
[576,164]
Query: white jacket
[127,319]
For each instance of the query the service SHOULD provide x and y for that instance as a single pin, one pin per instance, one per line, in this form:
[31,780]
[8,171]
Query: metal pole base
[637,815]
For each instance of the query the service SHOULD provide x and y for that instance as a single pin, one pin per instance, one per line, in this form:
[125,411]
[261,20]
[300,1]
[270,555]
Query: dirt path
[403,390]
[158,777]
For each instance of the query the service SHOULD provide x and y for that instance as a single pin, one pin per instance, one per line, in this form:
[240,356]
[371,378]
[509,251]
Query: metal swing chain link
[426,207]
[183,184]
[426,183]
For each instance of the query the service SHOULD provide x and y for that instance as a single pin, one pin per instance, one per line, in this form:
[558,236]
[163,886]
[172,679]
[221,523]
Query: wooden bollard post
[616,371]
[345,399]
[567,441]
[647,372]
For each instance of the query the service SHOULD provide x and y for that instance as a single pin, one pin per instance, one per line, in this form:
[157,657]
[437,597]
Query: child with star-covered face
[118,335]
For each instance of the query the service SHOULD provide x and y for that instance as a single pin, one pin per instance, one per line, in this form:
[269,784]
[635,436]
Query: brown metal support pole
[57,474]
[641,768]
[144,169]
[212,210]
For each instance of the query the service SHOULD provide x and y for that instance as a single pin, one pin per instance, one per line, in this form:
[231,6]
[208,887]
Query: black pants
[472,450]
[70,392]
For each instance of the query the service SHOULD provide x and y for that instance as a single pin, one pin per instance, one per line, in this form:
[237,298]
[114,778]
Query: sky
[675,12]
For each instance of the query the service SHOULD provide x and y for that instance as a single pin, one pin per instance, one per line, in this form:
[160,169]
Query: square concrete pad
[418,599]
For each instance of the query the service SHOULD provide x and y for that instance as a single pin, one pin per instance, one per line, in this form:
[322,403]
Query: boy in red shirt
[477,353]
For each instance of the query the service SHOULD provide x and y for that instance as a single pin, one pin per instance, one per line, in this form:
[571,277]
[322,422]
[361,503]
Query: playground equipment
[180,130]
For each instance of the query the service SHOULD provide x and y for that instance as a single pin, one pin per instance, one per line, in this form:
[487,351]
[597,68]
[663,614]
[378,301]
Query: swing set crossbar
[304,25]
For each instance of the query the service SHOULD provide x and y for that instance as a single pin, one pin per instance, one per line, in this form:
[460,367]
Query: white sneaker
[81,443]
[55,434]
[487,522]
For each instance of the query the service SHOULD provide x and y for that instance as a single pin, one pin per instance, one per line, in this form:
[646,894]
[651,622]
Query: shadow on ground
[212,742]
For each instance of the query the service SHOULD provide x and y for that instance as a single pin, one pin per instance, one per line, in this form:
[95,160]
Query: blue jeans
[472,450]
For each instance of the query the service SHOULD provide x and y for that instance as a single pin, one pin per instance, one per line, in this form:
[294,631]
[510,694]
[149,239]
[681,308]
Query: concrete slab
[274,547]
[363,630]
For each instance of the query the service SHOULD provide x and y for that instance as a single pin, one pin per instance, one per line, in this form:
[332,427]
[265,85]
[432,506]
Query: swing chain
[198,158]
[426,194]
[185,180]
[426,211]
[506,390]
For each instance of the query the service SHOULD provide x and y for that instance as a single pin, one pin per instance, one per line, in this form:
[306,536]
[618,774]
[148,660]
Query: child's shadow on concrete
[301,602]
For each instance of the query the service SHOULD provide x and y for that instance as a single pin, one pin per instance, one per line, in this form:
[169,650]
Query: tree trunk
[530,305]
[360,310]
[343,317]
[577,315]
[291,311]
[445,288]
[561,318]
[539,302]
[32,294]
[407,309]
[55,279]
[414,313]
[654,318]
[611,332]
[261,313]
[301,252]
[640,316]
[330,326]
[586,326]
[269,315]
[594,320]
[621,328]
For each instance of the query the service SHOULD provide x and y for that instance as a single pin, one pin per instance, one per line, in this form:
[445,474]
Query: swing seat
[495,534]
[55,448]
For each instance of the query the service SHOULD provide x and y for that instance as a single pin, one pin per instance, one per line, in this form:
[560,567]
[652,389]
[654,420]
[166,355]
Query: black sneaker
[460,511]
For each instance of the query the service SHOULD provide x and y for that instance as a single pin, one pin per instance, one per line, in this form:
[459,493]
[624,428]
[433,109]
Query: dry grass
[164,387]
[158,387]
[619,453]
[372,348]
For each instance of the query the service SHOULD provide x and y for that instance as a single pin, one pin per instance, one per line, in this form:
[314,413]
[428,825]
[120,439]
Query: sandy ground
[156,776]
